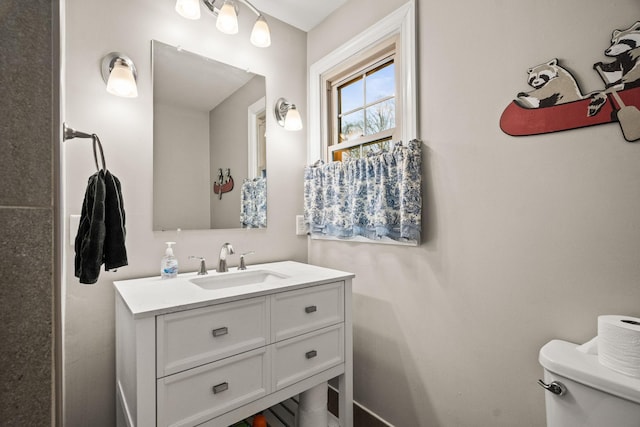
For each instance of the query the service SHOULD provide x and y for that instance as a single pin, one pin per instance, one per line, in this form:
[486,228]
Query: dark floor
[360,418]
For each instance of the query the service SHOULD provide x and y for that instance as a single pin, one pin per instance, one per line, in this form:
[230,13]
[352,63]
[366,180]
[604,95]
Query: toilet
[583,393]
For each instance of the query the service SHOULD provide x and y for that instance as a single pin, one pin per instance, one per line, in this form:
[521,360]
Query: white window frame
[401,22]
[253,112]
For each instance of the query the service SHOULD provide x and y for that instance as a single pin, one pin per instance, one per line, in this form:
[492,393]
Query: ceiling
[302,14]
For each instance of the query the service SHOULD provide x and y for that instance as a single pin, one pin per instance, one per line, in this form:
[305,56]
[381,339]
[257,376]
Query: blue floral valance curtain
[375,197]
[253,198]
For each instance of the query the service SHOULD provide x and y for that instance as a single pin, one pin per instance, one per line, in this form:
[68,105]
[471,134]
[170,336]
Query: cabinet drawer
[199,394]
[194,337]
[298,358]
[304,310]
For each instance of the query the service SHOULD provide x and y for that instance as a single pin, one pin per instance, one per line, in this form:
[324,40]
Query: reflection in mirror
[208,117]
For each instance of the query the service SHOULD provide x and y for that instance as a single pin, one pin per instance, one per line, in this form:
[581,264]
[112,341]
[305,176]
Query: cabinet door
[194,337]
[304,310]
[301,357]
[199,394]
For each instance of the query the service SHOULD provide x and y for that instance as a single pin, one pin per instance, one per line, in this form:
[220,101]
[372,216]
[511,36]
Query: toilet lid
[563,358]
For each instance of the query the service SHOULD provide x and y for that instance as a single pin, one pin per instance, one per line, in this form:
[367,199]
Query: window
[363,107]
[352,107]
[362,98]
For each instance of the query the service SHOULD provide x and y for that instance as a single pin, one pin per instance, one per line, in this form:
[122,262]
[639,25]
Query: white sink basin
[237,278]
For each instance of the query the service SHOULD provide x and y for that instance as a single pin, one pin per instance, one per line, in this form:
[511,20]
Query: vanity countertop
[152,296]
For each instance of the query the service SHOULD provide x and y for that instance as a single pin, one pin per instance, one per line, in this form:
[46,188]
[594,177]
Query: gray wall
[28,34]
[525,239]
[181,168]
[93,29]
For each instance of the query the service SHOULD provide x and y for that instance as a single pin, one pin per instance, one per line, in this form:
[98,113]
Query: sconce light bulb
[121,81]
[292,120]
[260,35]
[189,9]
[227,21]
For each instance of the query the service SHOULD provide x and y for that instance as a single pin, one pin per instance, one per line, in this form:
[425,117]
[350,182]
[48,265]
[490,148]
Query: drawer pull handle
[220,388]
[220,332]
[310,309]
[311,354]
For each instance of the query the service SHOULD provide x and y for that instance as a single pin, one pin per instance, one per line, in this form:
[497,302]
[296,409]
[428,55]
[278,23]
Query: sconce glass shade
[292,120]
[189,9]
[227,21]
[260,35]
[119,74]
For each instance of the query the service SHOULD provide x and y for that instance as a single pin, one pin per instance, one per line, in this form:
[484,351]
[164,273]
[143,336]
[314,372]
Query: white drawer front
[304,310]
[194,337]
[298,358]
[188,398]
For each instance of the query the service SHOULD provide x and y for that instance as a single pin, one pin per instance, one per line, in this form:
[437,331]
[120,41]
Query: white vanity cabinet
[188,356]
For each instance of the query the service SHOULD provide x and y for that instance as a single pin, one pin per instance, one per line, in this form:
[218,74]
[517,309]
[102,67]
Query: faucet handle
[203,267]
[242,265]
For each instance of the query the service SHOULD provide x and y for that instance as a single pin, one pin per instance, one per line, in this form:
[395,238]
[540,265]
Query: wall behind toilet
[525,239]
[93,29]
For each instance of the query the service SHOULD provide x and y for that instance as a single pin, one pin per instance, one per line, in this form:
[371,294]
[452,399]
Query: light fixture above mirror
[227,21]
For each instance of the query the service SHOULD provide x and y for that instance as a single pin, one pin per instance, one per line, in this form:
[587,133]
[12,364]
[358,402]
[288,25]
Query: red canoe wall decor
[224,183]
[556,102]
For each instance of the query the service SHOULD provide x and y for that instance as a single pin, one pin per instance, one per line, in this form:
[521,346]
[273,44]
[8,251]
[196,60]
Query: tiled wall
[26,211]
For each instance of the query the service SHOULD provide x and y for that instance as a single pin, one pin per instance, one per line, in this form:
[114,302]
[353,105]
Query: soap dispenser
[169,264]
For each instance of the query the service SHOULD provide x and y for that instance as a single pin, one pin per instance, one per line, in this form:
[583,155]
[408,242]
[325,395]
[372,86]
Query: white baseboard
[373,414]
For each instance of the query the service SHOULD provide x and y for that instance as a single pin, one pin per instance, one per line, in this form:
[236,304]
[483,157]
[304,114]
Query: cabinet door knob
[220,331]
[220,388]
[310,309]
[311,354]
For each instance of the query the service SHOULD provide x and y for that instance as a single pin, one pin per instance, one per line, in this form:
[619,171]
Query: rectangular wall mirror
[209,121]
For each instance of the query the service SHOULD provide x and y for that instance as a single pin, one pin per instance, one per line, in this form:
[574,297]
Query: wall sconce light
[189,9]
[227,21]
[287,115]
[120,75]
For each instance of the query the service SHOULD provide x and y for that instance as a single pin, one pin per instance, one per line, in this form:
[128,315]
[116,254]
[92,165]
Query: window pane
[351,95]
[376,147]
[381,83]
[346,154]
[352,126]
[381,116]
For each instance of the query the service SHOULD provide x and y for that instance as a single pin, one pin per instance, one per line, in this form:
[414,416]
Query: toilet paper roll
[312,407]
[314,398]
[619,344]
[314,418]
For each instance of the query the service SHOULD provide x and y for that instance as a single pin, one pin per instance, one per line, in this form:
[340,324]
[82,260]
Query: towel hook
[96,140]
[70,133]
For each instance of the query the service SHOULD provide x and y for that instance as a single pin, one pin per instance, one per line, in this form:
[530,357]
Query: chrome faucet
[226,249]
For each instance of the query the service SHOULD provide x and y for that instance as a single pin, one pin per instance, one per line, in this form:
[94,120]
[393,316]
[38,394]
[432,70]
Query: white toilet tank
[595,395]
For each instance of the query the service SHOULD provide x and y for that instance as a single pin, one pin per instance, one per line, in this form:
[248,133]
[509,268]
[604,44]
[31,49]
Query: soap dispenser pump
[169,264]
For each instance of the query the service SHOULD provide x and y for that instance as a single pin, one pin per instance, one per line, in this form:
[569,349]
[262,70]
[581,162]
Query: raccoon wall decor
[552,84]
[556,102]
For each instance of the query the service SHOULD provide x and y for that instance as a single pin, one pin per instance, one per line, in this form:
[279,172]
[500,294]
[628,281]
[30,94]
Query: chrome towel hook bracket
[70,133]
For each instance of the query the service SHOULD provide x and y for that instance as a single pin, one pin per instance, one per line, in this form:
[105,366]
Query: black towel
[114,251]
[101,234]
